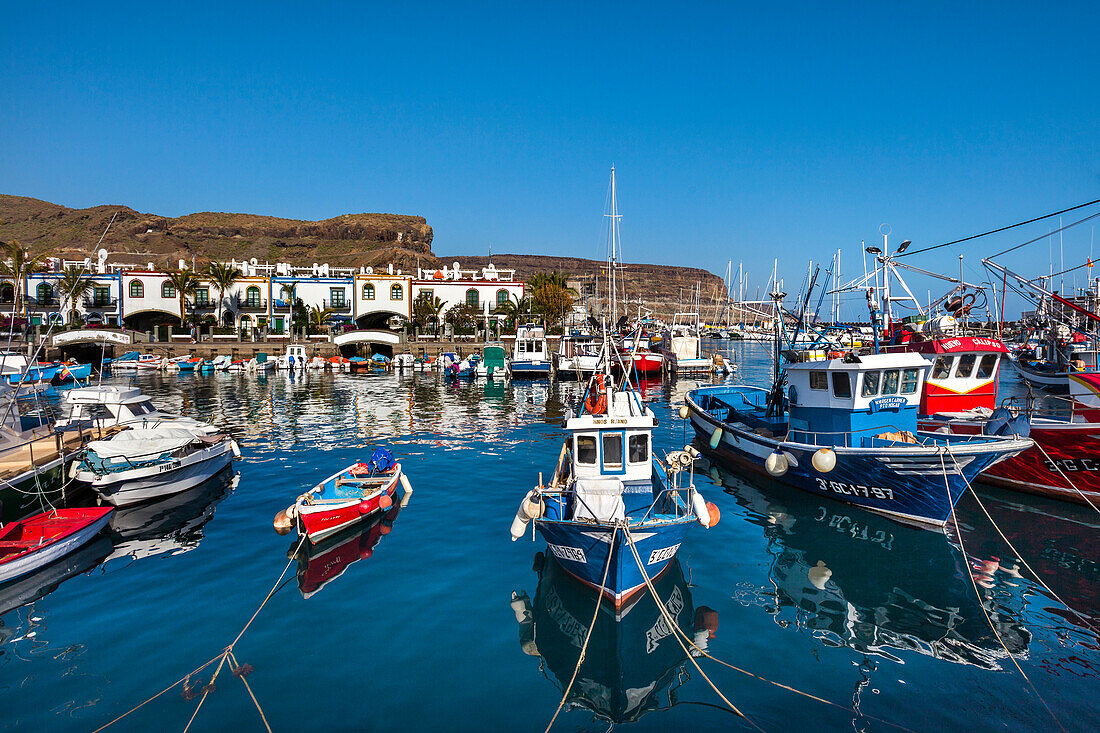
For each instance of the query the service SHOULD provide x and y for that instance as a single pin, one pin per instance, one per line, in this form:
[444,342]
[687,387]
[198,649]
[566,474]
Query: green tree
[426,309]
[185,282]
[551,295]
[318,317]
[513,310]
[18,263]
[463,318]
[222,276]
[74,285]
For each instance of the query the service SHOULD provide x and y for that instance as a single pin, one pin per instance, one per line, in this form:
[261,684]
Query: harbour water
[410,624]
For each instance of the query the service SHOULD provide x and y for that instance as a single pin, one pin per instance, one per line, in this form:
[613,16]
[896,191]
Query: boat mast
[613,245]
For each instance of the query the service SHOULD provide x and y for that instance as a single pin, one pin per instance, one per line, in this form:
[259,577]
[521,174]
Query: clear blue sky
[738,131]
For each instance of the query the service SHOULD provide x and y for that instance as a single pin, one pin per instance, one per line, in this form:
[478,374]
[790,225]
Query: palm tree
[319,316]
[18,263]
[290,290]
[185,282]
[513,309]
[73,286]
[426,309]
[551,294]
[222,276]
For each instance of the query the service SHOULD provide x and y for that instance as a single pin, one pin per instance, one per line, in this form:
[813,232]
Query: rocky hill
[663,289]
[348,240]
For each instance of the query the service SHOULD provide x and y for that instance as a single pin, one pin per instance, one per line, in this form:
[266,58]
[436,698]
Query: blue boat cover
[381,460]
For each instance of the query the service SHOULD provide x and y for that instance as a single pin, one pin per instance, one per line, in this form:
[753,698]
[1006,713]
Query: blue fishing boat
[847,429]
[610,492]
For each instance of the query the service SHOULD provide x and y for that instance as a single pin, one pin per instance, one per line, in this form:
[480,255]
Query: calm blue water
[418,631]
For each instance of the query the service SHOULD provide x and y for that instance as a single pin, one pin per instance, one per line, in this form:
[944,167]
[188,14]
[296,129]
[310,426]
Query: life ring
[596,402]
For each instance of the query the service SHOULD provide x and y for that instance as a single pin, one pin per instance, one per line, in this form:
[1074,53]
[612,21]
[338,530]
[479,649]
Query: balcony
[253,305]
[337,306]
[50,302]
[101,303]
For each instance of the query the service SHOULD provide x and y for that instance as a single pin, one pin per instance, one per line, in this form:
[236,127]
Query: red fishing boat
[345,498]
[31,543]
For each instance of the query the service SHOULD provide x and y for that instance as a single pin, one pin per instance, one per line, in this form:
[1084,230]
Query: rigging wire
[1002,229]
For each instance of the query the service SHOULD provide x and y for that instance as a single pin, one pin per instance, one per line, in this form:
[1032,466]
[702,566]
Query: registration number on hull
[172,466]
[568,553]
[1072,464]
[846,489]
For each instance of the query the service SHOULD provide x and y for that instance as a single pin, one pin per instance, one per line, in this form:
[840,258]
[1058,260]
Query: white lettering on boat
[661,629]
[665,553]
[870,492]
[568,553]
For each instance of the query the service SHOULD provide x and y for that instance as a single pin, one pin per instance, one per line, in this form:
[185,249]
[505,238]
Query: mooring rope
[1012,547]
[978,593]
[591,626]
[708,655]
[221,658]
[235,668]
[672,624]
[1071,484]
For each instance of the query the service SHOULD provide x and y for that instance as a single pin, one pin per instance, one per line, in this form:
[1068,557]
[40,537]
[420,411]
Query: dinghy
[345,498]
[31,543]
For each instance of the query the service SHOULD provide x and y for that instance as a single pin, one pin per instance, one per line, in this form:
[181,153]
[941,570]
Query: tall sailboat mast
[613,249]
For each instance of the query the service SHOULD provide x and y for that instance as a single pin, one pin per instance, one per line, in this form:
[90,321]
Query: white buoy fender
[530,508]
[824,460]
[408,491]
[776,464]
[699,506]
[715,438]
[519,525]
[236,448]
[74,469]
[684,412]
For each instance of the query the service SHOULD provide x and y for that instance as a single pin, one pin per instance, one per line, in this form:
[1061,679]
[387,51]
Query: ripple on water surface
[408,621]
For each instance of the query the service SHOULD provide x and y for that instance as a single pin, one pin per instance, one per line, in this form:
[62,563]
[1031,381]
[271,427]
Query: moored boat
[530,357]
[847,429]
[611,497]
[345,498]
[139,464]
[34,542]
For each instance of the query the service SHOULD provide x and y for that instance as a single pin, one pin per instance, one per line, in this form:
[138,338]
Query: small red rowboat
[34,542]
[345,498]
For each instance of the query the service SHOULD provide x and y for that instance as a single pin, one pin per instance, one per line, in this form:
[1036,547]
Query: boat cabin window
[870,384]
[586,449]
[842,385]
[97,412]
[942,369]
[890,382]
[819,380]
[966,365]
[141,408]
[613,450]
[639,448]
[909,379]
[988,365]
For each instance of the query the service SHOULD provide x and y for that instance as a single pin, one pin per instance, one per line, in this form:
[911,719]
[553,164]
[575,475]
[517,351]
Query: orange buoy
[596,402]
[283,523]
[715,514]
[385,501]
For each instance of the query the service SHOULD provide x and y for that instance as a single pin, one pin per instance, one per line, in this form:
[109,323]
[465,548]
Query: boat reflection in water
[633,663]
[1060,541]
[29,588]
[320,564]
[861,580]
[170,525]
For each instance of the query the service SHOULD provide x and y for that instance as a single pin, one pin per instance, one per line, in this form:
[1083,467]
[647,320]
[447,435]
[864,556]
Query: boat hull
[55,550]
[1051,381]
[144,484]
[1072,447]
[530,369]
[583,549]
[323,520]
[908,484]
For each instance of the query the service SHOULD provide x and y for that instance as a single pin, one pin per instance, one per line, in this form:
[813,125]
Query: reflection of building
[863,581]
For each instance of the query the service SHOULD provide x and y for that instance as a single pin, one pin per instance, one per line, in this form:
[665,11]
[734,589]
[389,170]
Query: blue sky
[738,131]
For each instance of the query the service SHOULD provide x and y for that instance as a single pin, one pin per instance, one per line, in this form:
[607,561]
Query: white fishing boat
[111,405]
[682,347]
[294,360]
[139,464]
[530,357]
[404,362]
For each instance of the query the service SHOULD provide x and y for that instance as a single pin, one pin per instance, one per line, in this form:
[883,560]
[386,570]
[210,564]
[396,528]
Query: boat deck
[44,450]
